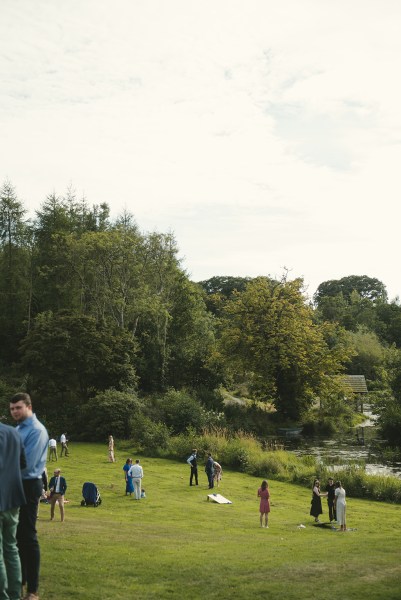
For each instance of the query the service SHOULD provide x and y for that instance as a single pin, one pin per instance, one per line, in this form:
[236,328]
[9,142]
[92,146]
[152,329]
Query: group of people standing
[335,494]
[213,469]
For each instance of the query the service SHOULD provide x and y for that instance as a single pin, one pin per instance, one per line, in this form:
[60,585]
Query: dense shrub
[149,436]
[109,412]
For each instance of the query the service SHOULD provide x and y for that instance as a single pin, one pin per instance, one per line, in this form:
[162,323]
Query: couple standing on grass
[133,478]
[335,495]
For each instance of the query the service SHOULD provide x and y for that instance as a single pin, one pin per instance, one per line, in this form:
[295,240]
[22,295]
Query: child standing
[264,509]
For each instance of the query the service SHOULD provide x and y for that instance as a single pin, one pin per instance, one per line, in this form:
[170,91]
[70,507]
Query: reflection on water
[344,451]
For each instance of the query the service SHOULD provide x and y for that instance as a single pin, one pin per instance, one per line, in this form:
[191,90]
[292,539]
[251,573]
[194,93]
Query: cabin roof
[355,383]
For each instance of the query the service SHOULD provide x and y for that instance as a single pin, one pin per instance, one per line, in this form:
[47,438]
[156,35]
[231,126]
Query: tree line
[94,309]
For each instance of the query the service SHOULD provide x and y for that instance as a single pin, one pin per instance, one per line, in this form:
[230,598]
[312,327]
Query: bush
[149,436]
[107,413]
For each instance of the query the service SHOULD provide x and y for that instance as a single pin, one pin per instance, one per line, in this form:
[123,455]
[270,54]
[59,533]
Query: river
[346,450]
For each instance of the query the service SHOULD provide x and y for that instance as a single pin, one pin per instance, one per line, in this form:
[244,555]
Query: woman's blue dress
[129,488]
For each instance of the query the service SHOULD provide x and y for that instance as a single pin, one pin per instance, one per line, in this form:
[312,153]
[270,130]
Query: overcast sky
[264,134]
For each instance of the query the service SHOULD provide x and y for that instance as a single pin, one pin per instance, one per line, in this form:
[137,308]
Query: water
[345,450]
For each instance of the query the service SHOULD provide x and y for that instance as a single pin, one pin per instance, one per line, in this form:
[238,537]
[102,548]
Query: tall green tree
[14,269]
[269,336]
[69,357]
[369,288]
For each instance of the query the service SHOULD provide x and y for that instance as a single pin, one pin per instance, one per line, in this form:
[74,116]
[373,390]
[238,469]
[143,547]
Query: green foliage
[367,287]
[110,412]
[147,435]
[269,337]
[369,354]
[68,357]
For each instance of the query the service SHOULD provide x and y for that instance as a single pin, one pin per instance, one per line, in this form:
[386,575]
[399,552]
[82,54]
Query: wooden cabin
[355,386]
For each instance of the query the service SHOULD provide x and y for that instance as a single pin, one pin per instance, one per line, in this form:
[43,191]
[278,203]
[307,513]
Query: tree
[368,288]
[14,268]
[269,336]
[219,289]
[69,357]
[369,354]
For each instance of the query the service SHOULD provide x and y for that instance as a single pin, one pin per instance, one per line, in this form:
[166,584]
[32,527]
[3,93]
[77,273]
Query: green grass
[175,544]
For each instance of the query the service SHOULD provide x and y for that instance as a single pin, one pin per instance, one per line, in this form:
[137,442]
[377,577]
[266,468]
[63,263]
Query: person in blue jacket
[57,487]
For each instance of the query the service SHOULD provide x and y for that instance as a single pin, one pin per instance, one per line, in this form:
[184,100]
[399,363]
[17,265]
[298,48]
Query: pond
[346,449]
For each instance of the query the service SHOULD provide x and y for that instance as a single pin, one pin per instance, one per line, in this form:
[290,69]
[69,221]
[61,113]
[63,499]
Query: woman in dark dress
[316,503]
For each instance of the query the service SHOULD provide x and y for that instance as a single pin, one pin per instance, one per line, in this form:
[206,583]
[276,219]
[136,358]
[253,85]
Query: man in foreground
[35,440]
[12,460]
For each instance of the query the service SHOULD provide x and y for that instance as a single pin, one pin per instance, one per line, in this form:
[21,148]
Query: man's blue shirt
[35,439]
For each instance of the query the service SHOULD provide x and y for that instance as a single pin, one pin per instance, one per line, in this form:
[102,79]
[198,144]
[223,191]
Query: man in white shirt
[52,449]
[136,472]
[63,442]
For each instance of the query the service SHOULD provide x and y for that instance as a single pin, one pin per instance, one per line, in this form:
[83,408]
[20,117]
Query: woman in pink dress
[264,508]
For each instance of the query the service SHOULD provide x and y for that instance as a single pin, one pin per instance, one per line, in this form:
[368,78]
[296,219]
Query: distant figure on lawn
[52,449]
[209,470]
[111,449]
[331,499]
[341,505]
[63,442]
[316,502]
[136,473]
[193,463]
[218,472]
[264,507]
[129,488]
[57,487]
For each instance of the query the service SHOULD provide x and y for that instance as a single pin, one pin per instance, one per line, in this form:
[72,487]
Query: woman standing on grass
[316,502]
[111,449]
[264,508]
[218,471]
[340,506]
[129,487]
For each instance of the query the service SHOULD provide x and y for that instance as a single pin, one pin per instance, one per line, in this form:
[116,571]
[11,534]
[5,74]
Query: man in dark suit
[12,460]
[192,461]
[209,470]
[57,487]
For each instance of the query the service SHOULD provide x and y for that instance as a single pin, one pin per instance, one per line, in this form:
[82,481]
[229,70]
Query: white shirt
[52,443]
[136,471]
[63,438]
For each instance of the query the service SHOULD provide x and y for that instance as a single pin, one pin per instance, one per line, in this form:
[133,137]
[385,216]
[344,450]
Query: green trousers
[10,565]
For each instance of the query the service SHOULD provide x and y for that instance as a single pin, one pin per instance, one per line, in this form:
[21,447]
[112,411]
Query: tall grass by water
[246,454]
[175,544]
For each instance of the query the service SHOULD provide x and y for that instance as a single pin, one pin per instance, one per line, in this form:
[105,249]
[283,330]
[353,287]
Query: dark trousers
[27,540]
[332,509]
[210,478]
[194,473]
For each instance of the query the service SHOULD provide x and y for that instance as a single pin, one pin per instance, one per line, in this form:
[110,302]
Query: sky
[265,135]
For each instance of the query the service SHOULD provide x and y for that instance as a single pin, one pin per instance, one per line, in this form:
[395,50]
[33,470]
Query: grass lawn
[175,544]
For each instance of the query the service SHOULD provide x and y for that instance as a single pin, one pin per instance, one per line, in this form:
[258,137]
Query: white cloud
[265,135]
